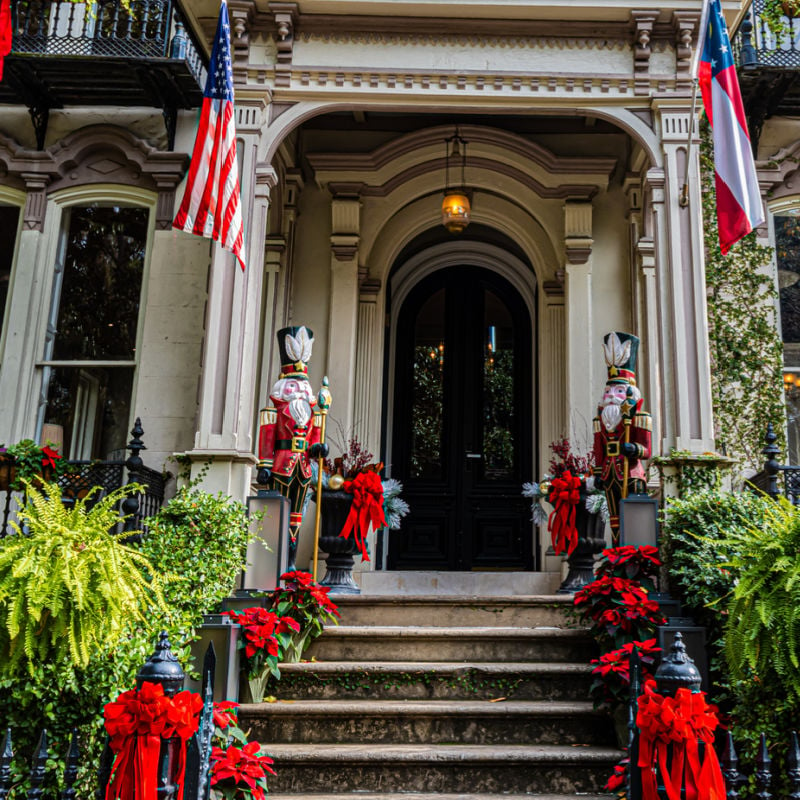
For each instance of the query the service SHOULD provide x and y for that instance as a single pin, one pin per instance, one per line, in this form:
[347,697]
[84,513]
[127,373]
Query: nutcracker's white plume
[299,347]
[616,352]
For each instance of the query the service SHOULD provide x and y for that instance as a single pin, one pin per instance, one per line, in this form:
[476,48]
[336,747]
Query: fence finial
[6,756]
[763,770]
[677,670]
[793,762]
[730,768]
[162,667]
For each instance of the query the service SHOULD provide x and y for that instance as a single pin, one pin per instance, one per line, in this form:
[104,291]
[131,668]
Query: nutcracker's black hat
[295,344]
[621,350]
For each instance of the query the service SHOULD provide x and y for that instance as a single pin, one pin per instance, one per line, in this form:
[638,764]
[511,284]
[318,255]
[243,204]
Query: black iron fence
[198,749]
[138,29]
[777,479]
[757,45]
[80,476]
[681,671]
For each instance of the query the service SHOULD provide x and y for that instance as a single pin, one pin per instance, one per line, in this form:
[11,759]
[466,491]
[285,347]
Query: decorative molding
[345,216]
[475,135]
[285,21]
[779,175]
[578,251]
[92,155]
[685,24]
[241,17]
[344,247]
[643,22]
[554,290]
[35,202]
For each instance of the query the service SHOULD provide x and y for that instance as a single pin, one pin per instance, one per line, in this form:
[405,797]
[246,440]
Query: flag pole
[683,199]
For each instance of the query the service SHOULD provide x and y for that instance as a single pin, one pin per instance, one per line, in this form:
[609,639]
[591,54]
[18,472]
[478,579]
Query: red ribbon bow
[564,497]
[366,510]
[679,722]
[136,723]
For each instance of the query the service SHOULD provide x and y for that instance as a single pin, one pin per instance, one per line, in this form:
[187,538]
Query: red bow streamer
[679,722]
[367,508]
[136,723]
[564,497]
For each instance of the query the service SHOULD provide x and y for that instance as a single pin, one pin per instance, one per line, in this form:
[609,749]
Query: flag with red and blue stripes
[211,204]
[739,206]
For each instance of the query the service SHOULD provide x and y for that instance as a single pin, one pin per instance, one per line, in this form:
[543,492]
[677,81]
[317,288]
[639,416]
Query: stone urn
[340,550]
[591,541]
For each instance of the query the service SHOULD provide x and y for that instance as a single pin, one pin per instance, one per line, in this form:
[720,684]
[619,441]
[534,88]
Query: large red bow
[367,508]
[564,497]
[680,722]
[136,723]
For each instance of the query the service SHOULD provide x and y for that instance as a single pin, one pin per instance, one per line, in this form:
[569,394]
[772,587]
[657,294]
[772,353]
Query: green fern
[763,630]
[68,586]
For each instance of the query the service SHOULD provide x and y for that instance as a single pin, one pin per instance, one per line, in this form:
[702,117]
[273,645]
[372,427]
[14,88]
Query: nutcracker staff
[290,430]
[622,430]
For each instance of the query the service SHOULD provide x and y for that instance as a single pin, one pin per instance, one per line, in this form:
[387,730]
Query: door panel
[462,424]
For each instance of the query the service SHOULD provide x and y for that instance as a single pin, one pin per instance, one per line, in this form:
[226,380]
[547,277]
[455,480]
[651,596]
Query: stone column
[687,422]
[344,308]
[579,323]
[552,370]
[650,369]
[228,384]
[368,377]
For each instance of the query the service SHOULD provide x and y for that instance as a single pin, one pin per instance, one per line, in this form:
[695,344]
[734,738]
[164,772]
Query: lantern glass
[267,552]
[638,521]
[455,211]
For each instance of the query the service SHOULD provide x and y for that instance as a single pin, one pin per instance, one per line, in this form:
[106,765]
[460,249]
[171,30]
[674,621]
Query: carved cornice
[91,155]
[780,174]
[644,24]
[285,23]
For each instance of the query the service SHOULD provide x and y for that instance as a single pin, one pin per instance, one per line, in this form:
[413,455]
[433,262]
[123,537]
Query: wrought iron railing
[146,29]
[80,476]
[756,45]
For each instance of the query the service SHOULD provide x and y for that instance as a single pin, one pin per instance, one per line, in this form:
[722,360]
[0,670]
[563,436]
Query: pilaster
[344,308]
[368,378]
[552,370]
[579,321]
[680,272]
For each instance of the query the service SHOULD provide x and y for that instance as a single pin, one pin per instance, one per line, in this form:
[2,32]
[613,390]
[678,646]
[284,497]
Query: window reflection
[9,222]
[787,252]
[498,390]
[428,389]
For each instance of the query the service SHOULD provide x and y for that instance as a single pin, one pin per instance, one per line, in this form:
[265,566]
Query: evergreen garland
[746,346]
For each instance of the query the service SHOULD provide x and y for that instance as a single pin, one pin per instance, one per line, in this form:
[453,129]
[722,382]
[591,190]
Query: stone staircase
[422,697]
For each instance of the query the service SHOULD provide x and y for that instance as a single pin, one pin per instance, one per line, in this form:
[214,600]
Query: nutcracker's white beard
[611,413]
[299,403]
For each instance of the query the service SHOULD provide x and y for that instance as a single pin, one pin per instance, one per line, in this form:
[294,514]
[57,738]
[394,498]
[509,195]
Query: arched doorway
[461,429]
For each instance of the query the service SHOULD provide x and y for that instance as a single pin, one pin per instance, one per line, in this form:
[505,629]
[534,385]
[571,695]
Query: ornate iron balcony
[100,52]
[769,68]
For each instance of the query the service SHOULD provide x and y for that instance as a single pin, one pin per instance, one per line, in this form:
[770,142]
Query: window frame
[59,205]
[15,198]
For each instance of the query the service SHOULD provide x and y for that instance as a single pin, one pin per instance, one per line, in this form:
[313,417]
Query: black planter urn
[591,541]
[339,563]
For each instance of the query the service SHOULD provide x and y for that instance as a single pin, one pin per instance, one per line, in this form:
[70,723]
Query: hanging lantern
[455,206]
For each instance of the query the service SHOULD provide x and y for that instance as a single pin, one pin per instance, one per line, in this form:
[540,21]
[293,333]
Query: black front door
[461,438]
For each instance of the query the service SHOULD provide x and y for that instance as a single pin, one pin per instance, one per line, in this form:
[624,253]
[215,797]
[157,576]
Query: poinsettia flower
[225,713]
[49,457]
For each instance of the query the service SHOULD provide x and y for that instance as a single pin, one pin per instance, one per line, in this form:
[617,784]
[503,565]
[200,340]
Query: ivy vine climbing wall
[746,347]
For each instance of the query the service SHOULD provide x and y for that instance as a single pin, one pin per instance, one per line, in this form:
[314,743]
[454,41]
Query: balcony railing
[145,29]
[756,45]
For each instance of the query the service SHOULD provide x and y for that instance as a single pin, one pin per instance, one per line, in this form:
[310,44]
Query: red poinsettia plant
[265,637]
[238,767]
[612,676]
[618,610]
[635,563]
[308,604]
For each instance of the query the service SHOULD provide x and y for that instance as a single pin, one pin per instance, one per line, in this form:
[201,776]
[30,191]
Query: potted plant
[28,461]
[776,12]
[306,602]
[579,512]
[354,501]
[265,638]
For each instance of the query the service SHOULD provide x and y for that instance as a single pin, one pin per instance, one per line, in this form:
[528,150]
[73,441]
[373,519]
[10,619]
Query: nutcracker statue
[621,428]
[291,430]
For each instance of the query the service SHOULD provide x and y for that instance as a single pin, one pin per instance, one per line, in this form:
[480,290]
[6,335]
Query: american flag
[5,32]
[739,207]
[210,205]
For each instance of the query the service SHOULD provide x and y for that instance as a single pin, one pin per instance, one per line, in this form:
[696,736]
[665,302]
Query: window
[787,252]
[9,223]
[90,350]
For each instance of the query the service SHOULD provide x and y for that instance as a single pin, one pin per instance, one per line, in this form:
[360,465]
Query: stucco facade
[577,130]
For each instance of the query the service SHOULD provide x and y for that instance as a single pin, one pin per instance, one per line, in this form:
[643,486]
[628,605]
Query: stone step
[454,769]
[487,644]
[419,680]
[531,611]
[372,722]
[438,796]
[442,584]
